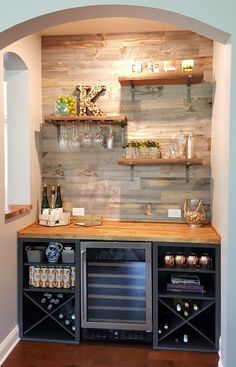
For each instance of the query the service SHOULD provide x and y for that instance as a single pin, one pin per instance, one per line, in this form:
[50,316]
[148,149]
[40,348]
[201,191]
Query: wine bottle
[61,315]
[48,295]
[58,203]
[185,338]
[45,203]
[166,326]
[186,308]
[186,313]
[178,307]
[186,304]
[53,197]
[55,301]
[195,306]
[178,303]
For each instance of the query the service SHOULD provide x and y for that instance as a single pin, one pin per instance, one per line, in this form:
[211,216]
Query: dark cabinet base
[193,326]
[186,298]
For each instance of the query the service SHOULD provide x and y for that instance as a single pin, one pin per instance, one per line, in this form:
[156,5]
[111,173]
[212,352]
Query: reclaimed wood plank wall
[91,178]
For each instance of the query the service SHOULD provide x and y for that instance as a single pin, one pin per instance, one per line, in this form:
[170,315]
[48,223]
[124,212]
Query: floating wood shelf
[160,161]
[120,120]
[170,77]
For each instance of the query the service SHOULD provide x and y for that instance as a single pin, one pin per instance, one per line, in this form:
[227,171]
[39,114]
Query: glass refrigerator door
[116,285]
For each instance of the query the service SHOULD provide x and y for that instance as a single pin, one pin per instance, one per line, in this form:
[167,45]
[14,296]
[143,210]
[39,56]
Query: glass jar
[194,213]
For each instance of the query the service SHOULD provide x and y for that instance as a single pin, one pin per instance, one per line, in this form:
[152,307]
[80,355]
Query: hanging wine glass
[110,138]
[87,137]
[75,139]
[63,137]
[99,138]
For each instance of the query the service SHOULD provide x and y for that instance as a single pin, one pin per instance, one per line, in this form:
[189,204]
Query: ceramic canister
[53,251]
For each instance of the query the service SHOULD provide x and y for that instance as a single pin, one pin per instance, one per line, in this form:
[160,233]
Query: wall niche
[91,178]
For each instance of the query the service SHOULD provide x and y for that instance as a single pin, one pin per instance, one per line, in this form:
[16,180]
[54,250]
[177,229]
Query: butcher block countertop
[125,231]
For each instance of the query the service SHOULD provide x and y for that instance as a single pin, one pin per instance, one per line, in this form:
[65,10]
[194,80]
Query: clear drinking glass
[63,137]
[110,138]
[98,138]
[87,137]
[74,138]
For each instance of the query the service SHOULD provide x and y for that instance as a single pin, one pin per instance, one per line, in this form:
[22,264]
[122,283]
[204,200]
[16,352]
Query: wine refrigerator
[116,290]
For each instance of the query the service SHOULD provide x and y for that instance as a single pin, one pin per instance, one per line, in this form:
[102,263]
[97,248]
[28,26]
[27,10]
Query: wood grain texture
[126,231]
[12,211]
[92,178]
[33,354]
[160,78]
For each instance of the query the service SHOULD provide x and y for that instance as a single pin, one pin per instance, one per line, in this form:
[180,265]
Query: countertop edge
[171,232]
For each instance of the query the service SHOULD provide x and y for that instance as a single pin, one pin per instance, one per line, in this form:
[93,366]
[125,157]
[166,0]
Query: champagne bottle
[45,203]
[58,203]
[53,197]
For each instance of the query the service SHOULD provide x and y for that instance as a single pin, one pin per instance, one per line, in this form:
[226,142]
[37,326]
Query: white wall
[220,166]
[18,137]
[29,49]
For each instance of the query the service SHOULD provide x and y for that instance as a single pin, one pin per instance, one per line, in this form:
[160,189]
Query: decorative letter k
[85,99]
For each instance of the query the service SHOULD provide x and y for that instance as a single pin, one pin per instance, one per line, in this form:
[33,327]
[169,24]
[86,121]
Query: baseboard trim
[8,344]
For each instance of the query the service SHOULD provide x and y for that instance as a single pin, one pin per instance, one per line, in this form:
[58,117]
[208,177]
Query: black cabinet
[122,291]
[186,297]
[49,292]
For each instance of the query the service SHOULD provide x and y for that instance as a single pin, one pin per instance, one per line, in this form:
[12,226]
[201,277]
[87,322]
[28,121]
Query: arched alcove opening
[16,130]
[92,12]
[102,11]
